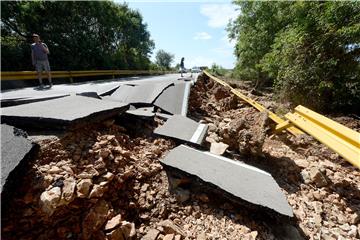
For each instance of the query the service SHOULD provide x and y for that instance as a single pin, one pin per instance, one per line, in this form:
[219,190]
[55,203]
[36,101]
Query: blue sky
[194,30]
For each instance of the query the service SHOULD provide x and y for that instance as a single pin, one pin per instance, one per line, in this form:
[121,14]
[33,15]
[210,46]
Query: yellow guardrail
[343,140]
[258,106]
[27,75]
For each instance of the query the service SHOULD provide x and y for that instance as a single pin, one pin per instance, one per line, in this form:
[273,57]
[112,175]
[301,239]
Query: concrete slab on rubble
[239,179]
[175,98]
[61,112]
[144,93]
[15,147]
[184,129]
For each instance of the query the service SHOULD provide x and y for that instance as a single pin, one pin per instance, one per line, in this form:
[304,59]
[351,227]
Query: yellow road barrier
[27,75]
[293,130]
[343,140]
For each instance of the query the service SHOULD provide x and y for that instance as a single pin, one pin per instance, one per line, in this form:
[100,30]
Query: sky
[194,30]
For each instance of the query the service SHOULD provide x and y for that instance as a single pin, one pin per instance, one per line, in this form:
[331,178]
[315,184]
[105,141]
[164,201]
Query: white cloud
[218,14]
[202,36]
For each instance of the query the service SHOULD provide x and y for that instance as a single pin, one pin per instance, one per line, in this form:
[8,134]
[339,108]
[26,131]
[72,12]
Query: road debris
[239,179]
[184,129]
[61,112]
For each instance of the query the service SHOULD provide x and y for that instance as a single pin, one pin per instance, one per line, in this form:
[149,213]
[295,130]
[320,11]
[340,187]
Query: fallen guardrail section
[342,140]
[258,106]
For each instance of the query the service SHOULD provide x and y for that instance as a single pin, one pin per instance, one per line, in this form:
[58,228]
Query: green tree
[310,51]
[164,59]
[255,30]
[80,34]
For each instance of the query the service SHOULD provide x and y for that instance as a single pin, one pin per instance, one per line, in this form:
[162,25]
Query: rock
[253,235]
[303,163]
[212,127]
[128,230]
[49,200]
[151,234]
[89,172]
[83,188]
[144,187]
[221,93]
[68,190]
[353,231]
[182,195]
[355,218]
[201,236]
[345,227]
[113,223]
[218,148]
[116,234]
[97,191]
[169,236]
[104,153]
[203,197]
[317,177]
[177,237]
[55,170]
[95,219]
[109,176]
[170,227]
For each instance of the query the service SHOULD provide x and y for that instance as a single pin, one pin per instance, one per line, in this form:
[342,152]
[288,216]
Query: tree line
[308,51]
[81,35]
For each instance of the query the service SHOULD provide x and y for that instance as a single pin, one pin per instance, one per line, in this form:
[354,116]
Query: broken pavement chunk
[61,112]
[239,179]
[143,93]
[175,98]
[15,149]
[184,129]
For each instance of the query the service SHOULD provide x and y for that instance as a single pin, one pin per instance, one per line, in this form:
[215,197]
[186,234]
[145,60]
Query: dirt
[322,188]
[105,181]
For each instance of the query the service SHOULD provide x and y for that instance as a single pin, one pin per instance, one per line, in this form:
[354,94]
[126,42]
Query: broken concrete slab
[15,148]
[184,129]
[19,101]
[241,180]
[61,112]
[143,93]
[146,112]
[218,148]
[175,98]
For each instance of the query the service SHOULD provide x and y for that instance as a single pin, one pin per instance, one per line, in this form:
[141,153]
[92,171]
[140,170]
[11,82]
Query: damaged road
[104,179]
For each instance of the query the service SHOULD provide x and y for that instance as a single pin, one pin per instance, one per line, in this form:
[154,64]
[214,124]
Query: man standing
[39,57]
[182,66]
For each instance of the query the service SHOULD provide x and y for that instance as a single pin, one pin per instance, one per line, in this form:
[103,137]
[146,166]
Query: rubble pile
[105,181]
[101,182]
[322,188]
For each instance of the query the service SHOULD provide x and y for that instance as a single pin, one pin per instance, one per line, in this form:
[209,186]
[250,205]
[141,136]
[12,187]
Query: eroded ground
[105,181]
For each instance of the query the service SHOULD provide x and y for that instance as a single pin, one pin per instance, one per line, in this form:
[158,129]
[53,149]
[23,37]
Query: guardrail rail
[342,140]
[293,130]
[27,75]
